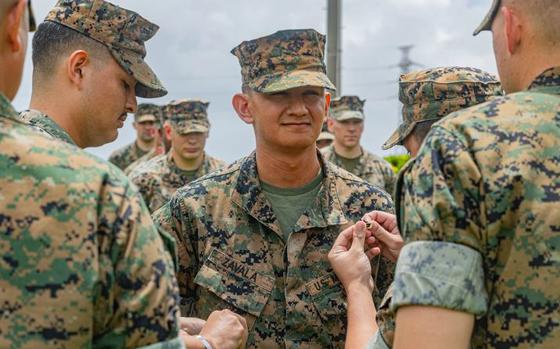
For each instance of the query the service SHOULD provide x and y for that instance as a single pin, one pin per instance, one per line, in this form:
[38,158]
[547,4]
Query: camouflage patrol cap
[347,108]
[148,112]
[325,136]
[122,31]
[284,60]
[434,93]
[489,18]
[188,115]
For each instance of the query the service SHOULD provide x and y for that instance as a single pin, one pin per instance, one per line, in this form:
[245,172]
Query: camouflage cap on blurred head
[122,31]
[284,60]
[489,19]
[347,108]
[434,93]
[148,112]
[188,115]
[325,136]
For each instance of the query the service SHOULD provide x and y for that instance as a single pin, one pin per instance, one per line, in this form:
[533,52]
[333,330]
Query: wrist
[359,288]
[207,343]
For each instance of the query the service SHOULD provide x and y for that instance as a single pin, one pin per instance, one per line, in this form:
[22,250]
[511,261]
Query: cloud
[191,53]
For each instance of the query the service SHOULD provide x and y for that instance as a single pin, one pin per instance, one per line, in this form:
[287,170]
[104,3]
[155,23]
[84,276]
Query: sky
[191,54]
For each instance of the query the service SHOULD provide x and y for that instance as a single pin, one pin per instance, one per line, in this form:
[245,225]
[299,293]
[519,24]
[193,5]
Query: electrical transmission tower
[406,63]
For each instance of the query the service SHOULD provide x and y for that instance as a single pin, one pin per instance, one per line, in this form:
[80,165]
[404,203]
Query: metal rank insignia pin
[369,225]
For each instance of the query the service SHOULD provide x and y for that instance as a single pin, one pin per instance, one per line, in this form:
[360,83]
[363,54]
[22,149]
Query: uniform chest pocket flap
[328,297]
[235,282]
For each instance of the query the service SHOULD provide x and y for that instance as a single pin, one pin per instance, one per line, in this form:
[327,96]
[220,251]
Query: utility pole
[334,46]
[406,62]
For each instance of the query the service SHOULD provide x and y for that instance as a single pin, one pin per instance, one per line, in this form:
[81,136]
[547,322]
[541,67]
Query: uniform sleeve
[137,304]
[443,219]
[172,219]
[377,342]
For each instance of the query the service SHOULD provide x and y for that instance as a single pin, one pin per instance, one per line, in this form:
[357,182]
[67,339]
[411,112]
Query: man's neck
[284,170]
[347,152]
[187,164]
[61,116]
[145,146]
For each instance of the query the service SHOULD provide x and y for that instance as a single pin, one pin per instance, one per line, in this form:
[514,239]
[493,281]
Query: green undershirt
[289,204]
[191,175]
[348,164]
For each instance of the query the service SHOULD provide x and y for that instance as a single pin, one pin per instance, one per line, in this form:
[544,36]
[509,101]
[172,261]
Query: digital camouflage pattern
[347,108]
[434,93]
[122,31]
[43,124]
[232,254]
[487,179]
[284,60]
[372,168]
[157,151]
[160,178]
[82,264]
[149,112]
[125,156]
[188,115]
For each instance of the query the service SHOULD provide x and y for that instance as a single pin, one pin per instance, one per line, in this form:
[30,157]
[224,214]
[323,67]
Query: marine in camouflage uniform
[82,264]
[123,32]
[232,249]
[128,154]
[369,167]
[160,177]
[428,96]
[479,217]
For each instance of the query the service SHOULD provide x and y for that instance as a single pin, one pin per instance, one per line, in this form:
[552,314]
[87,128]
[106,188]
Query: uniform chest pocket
[233,285]
[329,299]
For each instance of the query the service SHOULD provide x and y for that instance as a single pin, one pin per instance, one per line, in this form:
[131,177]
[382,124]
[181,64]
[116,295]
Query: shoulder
[222,181]
[215,163]
[353,190]
[121,151]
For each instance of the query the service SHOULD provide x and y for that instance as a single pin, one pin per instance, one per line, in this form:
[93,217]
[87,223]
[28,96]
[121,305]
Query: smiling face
[108,95]
[289,120]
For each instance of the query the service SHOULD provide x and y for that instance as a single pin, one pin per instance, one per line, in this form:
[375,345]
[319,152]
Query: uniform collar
[248,195]
[48,125]
[547,82]
[6,108]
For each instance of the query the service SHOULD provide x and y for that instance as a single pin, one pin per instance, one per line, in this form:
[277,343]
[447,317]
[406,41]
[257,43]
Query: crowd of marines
[310,241]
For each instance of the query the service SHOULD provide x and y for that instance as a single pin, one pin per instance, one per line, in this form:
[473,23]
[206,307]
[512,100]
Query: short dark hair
[52,41]
[422,129]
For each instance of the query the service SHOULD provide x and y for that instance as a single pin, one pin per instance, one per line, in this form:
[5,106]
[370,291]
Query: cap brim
[325,136]
[486,24]
[148,84]
[349,115]
[295,79]
[399,135]
[146,117]
[189,128]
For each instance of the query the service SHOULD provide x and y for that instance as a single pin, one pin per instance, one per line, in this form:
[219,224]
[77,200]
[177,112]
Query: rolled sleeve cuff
[440,274]
[176,343]
[377,342]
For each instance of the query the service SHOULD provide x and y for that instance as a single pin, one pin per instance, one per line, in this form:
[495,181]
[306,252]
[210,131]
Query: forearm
[361,317]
